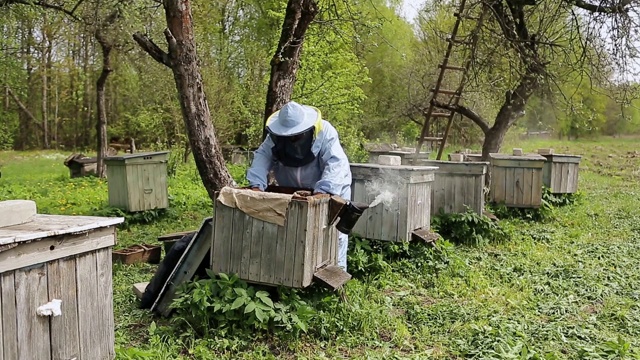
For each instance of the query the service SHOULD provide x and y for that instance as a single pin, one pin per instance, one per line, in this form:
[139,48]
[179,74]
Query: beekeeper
[303,151]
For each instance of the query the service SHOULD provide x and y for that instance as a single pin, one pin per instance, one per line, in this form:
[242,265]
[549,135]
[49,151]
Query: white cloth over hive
[269,207]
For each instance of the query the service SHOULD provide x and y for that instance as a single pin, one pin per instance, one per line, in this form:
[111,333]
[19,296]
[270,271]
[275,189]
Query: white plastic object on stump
[52,308]
[389,160]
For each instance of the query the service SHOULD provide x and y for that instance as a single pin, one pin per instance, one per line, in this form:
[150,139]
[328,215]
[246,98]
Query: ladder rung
[441,114]
[450,67]
[429,138]
[446,92]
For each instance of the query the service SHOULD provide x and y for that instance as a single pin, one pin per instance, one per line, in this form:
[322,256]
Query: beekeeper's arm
[336,173]
[261,165]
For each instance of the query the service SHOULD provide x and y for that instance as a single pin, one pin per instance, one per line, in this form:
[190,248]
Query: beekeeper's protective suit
[304,152]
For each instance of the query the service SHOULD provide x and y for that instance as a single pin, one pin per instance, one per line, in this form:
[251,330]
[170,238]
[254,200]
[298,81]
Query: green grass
[568,288]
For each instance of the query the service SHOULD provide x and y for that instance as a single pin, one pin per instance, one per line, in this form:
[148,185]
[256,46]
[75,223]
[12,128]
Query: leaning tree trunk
[286,60]
[101,125]
[183,61]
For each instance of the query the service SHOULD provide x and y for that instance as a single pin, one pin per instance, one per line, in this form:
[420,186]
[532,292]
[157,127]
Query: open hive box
[273,237]
[46,258]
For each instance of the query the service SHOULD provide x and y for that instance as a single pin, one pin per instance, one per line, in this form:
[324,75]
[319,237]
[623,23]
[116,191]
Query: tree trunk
[46,57]
[285,62]
[183,61]
[101,125]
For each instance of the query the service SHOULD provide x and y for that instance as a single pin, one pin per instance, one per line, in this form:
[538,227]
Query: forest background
[367,67]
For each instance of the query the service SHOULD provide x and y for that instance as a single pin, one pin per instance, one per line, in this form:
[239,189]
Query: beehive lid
[411,174]
[518,161]
[43,226]
[139,155]
[456,167]
[563,158]
[528,157]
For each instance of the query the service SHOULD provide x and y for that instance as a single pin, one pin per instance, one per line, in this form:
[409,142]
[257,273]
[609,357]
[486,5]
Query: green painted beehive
[138,182]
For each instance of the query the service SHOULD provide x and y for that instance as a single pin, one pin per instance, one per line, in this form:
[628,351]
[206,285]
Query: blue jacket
[329,173]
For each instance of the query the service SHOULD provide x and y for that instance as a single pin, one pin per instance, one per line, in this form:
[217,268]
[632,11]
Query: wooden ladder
[470,42]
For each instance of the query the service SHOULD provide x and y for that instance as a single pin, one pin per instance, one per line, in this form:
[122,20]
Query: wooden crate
[516,181]
[456,185]
[406,157]
[57,257]
[267,253]
[560,173]
[138,182]
[410,208]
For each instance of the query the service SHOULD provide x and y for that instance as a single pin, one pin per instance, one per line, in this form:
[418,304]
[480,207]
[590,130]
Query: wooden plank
[389,224]
[237,235]
[521,184]
[536,188]
[278,260]
[217,239]
[310,255]
[104,304]
[510,186]
[479,194]
[87,290]
[224,233]
[269,254]
[332,277]
[403,204]
[245,261]
[186,267]
[498,185]
[65,339]
[55,247]
[288,265]
[565,177]
[461,194]
[257,233]
[528,189]
[9,316]
[33,330]
[300,242]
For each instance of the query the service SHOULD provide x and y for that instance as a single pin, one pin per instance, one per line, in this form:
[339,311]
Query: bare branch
[45,5]
[152,49]
[619,8]
[466,112]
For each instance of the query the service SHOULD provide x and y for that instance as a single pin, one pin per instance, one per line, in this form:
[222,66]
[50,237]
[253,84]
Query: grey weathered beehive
[560,173]
[53,257]
[138,182]
[457,185]
[516,181]
[406,195]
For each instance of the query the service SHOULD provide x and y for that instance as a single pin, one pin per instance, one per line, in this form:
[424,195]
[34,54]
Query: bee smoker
[348,213]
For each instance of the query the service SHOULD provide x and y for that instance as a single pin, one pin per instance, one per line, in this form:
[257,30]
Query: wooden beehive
[138,182]
[516,181]
[264,252]
[406,157]
[409,208]
[457,185]
[66,258]
[560,173]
